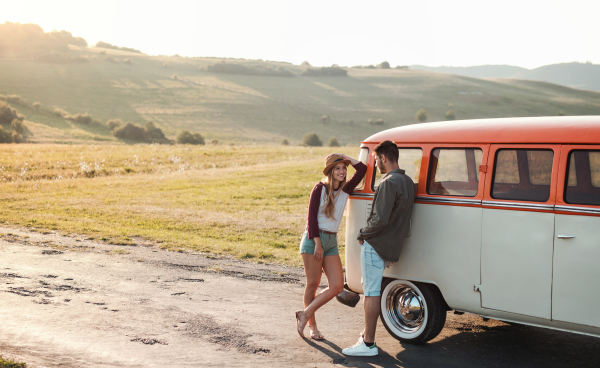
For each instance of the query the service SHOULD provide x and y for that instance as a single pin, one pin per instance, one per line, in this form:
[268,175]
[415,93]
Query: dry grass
[248,202]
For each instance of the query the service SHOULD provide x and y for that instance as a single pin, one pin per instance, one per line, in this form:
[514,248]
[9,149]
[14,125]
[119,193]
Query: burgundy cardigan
[315,198]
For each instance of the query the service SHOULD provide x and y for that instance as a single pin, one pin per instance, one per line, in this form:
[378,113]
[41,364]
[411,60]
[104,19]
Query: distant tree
[561,113]
[215,142]
[114,123]
[36,105]
[325,119]
[312,140]
[384,65]
[450,115]
[18,126]
[305,63]
[285,142]
[333,142]
[130,131]
[84,119]
[127,61]
[155,134]
[421,115]
[175,77]
[185,137]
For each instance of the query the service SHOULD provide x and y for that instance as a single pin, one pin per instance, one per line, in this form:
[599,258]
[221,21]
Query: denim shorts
[328,243]
[371,266]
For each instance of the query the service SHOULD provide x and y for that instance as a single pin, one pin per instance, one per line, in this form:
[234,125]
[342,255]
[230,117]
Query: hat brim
[328,167]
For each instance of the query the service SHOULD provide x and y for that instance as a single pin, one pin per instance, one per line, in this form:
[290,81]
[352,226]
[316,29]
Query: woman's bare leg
[313,270]
[332,265]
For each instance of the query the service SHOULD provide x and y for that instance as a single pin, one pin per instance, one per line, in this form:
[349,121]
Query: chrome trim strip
[448,200]
[531,206]
[363,195]
[576,209]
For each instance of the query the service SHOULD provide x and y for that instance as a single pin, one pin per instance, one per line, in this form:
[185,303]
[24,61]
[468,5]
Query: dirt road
[71,302]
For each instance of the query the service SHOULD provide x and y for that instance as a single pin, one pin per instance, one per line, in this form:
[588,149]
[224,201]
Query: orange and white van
[506,224]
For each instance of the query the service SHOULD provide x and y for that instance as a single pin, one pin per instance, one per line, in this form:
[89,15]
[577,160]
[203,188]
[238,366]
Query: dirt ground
[72,302]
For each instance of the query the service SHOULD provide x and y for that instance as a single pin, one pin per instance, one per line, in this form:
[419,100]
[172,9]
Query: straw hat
[332,160]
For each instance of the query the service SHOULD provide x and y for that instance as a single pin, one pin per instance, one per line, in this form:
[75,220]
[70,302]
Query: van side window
[454,171]
[583,181]
[409,160]
[522,175]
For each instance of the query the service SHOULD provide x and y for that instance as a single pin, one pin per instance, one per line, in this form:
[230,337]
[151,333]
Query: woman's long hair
[328,183]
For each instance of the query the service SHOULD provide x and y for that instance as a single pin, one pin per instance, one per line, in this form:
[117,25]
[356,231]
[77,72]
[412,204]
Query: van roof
[553,129]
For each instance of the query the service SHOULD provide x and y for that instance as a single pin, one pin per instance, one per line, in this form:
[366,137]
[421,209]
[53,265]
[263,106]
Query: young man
[381,240]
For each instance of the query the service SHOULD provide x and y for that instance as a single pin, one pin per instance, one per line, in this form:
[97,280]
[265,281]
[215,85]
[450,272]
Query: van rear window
[583,181]
[522,175]
[454,171]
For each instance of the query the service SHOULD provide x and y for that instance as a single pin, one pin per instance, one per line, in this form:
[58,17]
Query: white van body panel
[448,257]
[576,270]
[516,261]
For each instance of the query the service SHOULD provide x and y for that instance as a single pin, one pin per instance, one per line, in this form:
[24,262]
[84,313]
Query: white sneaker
[360,349]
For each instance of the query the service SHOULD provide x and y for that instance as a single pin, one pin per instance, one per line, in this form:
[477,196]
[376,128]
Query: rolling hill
[574,75]
[178,93]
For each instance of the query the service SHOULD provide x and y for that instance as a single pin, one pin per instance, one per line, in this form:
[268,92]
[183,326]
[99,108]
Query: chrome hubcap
[405,308]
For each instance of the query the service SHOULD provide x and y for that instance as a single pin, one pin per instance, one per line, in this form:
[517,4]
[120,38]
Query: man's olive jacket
[389,220]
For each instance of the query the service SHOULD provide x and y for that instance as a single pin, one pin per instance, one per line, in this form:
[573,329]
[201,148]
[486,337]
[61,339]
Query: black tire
[419,323]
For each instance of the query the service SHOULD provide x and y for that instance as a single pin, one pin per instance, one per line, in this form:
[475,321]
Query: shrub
[185,137]
[68,38]
[127,61]
[8,114]
[421,115]
[450,115]
[264,70]
[325,119]
[36,105]
[14,99]
[325,72]
[305,63]
[215,142]
[175,77]
[18,126]
[6,136]
[404,67]
[376,122]
[561,113]
[285,142]
[84,119]
[384,65]
[114,123]
[130,131]
[155,134]
[111,59]
[311,140]
[333,142]
[61,113]
[107,45]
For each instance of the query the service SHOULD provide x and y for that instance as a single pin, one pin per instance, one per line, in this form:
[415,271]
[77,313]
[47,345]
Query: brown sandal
[300,332]
[315,334]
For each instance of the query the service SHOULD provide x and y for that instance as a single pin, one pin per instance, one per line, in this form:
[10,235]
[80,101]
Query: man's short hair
[387,149]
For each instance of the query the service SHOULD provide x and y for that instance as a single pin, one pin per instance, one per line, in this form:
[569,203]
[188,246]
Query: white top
[326,223]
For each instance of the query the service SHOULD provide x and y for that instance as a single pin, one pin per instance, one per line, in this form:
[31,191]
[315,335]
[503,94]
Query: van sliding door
[518,229]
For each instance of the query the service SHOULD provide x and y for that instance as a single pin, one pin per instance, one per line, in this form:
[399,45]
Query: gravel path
[72,302]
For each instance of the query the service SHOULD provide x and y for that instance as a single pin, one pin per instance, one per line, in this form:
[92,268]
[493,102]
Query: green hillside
[179,93]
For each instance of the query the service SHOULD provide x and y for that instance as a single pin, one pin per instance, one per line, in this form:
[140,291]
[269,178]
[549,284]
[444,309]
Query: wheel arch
[386,280]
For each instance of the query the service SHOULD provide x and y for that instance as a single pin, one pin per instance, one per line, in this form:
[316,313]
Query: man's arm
[382,208]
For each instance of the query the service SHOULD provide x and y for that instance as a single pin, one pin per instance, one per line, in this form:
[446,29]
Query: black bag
[348,298]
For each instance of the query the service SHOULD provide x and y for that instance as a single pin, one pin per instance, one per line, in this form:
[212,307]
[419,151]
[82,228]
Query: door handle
[565,236]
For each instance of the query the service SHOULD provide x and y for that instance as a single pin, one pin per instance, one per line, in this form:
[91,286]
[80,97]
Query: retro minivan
[505,225]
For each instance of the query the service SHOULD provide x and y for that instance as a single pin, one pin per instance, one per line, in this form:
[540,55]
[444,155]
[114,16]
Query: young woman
[319,246]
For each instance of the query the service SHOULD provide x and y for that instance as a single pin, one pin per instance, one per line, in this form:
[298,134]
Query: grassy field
[10,364]
[179,93]
[244,201]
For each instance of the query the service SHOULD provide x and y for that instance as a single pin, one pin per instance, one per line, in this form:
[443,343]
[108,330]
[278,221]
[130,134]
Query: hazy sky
[528,33]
